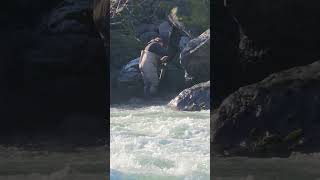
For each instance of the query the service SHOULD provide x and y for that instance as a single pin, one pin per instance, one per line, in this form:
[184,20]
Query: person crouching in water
[151,58]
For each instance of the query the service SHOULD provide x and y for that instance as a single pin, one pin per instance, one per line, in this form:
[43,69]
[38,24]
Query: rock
[191,16]
[48,74]
[273,117]
[183,42]
[148,36]
[71,17]
[195,57]
[195,98]
[130,73]
[289,30]
[165,30]
[130,82]
[142,28]
[22,12]
[173,81]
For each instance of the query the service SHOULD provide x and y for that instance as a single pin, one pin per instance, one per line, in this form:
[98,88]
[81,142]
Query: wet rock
[195,57]
[195,98]
[273,117]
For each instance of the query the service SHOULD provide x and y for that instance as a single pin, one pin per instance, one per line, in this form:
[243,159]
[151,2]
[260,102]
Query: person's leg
[147,84]
[154,80]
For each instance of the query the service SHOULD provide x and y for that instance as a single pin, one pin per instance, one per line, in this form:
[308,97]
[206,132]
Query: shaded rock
[71,17]
[130,73]
[195,57]
[173,81]
[23,12]
[48,74]
[195,98]
[148,36]
[289,30]
[142,28]
[227,67]
[130,81]
[273,117]
[183,42]
[165,31]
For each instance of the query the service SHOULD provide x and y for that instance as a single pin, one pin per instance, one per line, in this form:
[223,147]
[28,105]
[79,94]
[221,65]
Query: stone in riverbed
[195,98]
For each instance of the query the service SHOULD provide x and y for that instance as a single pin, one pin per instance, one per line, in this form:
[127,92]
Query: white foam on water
[156,142]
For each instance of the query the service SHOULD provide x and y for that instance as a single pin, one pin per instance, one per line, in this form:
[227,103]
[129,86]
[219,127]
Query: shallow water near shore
[78,164]
[296,167]
[151,141]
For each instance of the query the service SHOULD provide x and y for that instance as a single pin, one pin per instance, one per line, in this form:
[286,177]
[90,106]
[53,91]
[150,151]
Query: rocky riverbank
[184,24]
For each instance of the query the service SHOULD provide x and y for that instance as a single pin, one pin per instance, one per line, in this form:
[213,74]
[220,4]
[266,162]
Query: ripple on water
[156,142]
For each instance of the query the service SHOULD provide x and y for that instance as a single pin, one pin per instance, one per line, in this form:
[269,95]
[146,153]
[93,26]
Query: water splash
[155,142]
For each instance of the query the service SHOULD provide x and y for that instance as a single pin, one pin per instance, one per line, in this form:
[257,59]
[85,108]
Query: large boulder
[130,81]
[195,57]
[273,117]
[195,98]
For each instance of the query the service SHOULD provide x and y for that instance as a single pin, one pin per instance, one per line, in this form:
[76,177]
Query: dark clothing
[156,48]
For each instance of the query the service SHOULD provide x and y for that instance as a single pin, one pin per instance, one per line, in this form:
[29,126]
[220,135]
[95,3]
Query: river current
[151,141]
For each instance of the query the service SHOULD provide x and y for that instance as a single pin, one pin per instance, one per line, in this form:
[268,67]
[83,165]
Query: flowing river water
[151,141]
[296,167]
[88,163]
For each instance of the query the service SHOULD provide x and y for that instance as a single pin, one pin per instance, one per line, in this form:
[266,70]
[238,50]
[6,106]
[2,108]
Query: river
[151,141]
[38,164]
[296,167]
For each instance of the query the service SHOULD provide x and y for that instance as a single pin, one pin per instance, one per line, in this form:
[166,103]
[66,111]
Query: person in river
[152,58]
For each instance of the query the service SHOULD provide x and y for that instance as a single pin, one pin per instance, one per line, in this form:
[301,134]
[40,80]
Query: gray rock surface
[273,117]
[195,57]
[195,98]
[71,16]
